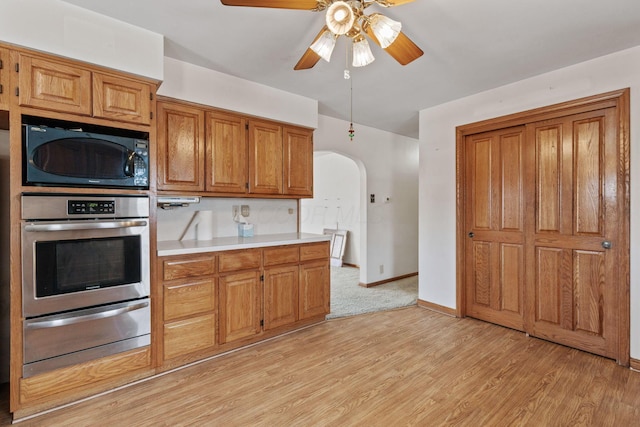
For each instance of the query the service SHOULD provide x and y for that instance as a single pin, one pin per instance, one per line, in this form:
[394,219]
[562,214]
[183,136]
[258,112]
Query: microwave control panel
[83,207]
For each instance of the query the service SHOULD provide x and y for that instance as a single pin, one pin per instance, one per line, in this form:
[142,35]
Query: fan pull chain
[347,76]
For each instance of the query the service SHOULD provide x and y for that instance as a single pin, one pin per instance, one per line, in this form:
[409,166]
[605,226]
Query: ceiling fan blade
[390,3]
[278,4]
[402,49]
[310,58]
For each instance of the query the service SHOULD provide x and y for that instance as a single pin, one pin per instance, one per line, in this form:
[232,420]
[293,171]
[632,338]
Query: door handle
[67,319]
[471,234]
[606,244]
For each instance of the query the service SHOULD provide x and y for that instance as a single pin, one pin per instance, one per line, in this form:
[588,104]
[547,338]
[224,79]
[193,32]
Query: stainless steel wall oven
[85,275]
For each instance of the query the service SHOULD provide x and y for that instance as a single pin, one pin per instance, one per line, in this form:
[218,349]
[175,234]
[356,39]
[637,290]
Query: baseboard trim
[382,282]
[350,265]
[438,308]
[634,364]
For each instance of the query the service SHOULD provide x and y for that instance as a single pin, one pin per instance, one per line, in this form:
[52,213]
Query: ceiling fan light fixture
[385,29]
[362,54]
[340,17]
[324,45]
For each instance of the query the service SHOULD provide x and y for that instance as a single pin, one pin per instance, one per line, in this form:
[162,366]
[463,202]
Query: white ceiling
[469,46]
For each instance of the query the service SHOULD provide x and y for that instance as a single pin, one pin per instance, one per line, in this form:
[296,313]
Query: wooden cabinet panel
[314,251]
[4,78]
[180,147]
[120,99]
[239,260]
[239,306]
[53,85]
[314,290]
[186,299]
[188,266]
[281,255]
[280,296]
[298,161]
[85,375]
[189,335]
[226,153]
[265,158]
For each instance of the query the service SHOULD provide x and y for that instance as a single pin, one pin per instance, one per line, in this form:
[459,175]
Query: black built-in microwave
[75,157]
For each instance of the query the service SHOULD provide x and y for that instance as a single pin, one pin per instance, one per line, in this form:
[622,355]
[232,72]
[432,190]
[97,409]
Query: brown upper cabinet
[4,78]
[298,161]
[180,141]
[216,152]
[265,157]
[226,159]
[71,88]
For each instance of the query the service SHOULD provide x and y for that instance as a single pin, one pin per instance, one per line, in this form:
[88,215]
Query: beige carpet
[348,298]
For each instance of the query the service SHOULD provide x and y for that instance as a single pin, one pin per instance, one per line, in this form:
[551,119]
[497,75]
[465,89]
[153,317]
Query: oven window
[65,266]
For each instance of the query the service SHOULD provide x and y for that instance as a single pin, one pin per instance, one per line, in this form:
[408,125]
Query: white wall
[437,283]
[67,30]
[269,216]
[201,85]
[391,165]
[336,201]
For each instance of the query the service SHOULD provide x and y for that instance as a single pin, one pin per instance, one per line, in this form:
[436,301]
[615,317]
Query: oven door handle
[65,319]
[88,225]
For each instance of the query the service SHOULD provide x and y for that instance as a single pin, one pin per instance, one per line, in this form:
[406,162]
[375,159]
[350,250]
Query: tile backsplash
[268,216]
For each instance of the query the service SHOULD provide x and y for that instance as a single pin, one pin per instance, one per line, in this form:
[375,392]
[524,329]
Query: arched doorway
[339,202]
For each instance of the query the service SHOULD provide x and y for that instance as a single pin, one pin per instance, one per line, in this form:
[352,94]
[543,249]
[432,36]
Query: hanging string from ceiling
[347,76]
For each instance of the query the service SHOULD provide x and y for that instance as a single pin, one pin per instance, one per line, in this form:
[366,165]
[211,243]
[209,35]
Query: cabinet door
[265,158]
[180,147]
[239,306]
[298,161]
[53,85]
[121,99]
[226,153]
[4,79]
[280,296]
[314,294]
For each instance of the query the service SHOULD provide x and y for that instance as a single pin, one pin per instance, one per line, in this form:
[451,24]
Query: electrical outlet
[234,210]
[244,210]
[381,268]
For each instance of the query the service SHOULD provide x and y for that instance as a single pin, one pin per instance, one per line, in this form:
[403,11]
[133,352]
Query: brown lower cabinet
[217,301]
[208,303]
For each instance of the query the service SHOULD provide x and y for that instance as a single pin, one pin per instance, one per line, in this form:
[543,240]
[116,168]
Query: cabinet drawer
[282,255]
[178,268]
[239,260]
[314,251]
[186,299]
[186,336]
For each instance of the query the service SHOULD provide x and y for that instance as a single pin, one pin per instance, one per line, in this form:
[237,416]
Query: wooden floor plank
[402,367]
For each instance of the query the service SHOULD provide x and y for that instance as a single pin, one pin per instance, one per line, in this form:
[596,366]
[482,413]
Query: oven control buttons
[83,207]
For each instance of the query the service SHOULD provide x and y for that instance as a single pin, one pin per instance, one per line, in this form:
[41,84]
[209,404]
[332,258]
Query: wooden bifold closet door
[542,206]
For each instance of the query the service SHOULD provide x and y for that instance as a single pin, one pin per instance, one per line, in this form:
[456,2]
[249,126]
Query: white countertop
[176,247]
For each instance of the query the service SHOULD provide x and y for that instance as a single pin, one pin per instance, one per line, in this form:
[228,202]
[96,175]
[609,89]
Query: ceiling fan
[348,18]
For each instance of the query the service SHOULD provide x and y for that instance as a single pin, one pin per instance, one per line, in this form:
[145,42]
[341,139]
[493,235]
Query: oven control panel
[83,207]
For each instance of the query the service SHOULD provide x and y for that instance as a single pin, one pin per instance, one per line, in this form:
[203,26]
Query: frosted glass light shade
[361,52]
[324,45]
[385,29]
[340,17]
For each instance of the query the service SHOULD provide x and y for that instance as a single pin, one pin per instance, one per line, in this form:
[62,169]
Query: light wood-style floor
[402,367]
